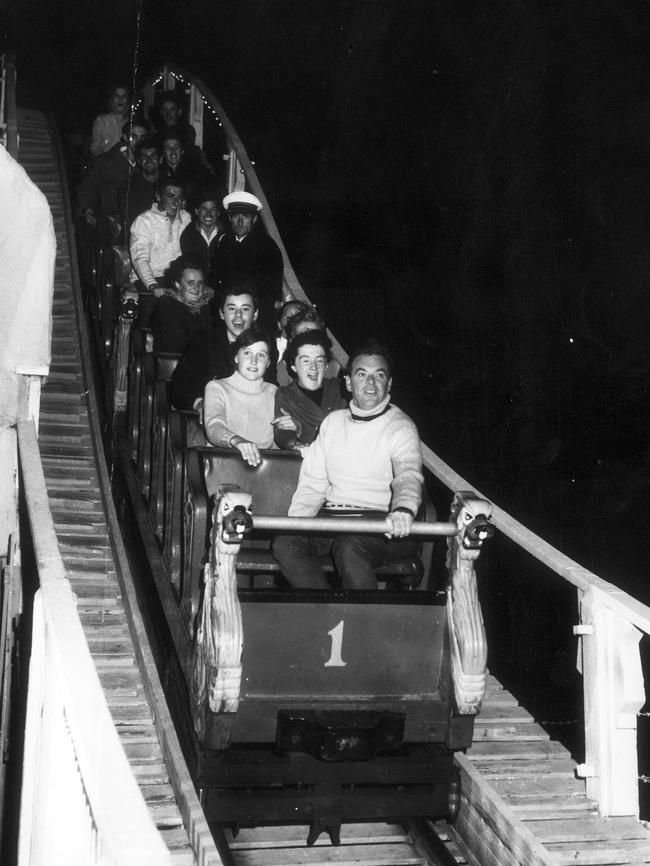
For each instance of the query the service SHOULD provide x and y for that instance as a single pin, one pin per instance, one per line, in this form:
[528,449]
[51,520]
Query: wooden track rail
[90,542]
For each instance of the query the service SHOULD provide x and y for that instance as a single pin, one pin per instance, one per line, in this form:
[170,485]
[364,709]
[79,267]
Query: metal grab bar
[340,525]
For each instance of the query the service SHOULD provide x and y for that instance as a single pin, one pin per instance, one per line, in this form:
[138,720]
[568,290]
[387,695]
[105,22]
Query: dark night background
[468,181]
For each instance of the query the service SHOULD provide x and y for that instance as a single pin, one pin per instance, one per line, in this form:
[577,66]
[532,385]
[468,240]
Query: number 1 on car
[335,660]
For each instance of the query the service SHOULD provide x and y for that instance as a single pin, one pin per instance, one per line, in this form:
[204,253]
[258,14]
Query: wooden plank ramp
[72,475]
[522,803]
[361,845]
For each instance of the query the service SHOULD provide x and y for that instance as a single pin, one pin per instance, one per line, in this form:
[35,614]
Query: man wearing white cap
[248,253]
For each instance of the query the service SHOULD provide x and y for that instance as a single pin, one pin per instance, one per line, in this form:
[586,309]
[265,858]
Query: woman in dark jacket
[301,406]
[183,315]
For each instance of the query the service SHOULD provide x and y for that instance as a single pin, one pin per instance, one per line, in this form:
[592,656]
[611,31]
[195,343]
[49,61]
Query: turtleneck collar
[314,395]
[239,383]
[368,414]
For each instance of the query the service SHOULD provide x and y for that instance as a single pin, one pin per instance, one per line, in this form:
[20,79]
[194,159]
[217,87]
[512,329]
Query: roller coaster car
[292,706]
[341,706]
[316,708]
[312,707]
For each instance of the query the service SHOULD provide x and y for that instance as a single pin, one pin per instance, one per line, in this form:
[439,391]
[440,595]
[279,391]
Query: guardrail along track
[78,510]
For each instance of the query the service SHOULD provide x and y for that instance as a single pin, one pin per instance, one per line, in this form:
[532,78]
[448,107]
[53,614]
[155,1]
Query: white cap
[245,201]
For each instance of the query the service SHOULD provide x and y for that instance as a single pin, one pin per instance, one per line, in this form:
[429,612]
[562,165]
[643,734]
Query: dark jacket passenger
[140,197]
[204,359]
[104,188]
[176,326]
[194,244]
[193,176]
[257,260]
[308,409]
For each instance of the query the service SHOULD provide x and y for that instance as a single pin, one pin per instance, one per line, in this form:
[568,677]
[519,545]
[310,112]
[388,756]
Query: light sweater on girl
[238,407]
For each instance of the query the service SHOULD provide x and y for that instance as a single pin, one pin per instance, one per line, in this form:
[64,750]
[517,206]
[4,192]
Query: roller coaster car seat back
[271,485]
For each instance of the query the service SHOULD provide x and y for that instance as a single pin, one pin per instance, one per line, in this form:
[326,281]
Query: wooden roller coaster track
[522,803]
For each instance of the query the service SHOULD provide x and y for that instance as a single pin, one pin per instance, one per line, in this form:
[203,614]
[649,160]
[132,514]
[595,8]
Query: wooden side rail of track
[89,539]
[80,800]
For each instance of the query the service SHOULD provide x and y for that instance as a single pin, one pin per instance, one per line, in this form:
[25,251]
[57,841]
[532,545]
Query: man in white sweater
[366,461]
[155,239]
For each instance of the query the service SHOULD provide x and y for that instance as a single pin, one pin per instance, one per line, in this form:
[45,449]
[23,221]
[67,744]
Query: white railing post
[236,176]
[196,114]
[30,382]
[613,695]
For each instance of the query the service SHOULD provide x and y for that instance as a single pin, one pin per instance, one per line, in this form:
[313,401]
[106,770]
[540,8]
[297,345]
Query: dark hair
[183,263]
[170,96]
[309,338]
[247,338]
[116,85]
[208,193]
[135,120]
[241,288]
[299,305]
[163,182]
[371,346]
[171,134]
[149,143]
[310,314]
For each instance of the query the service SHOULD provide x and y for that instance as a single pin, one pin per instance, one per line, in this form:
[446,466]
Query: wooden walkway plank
[75,500]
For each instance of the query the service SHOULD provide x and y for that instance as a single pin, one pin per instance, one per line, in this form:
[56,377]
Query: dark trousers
[355,557]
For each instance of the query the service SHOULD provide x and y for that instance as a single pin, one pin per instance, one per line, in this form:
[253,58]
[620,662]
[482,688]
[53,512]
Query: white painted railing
[80,802]
[610,628]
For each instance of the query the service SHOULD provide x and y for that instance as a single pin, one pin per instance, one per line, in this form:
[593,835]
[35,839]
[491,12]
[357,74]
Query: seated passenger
[175,166]
[366,461]
[201,236]
[246,252]
[301,406]
[107,128]
[286,312]
[238,411]
[142,189]
[305,319]
[155,239]
[183,314]
[103,191]
[210,358]
[169,118]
